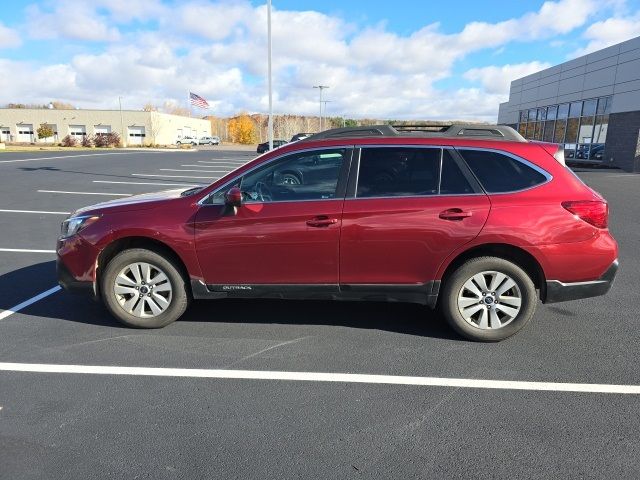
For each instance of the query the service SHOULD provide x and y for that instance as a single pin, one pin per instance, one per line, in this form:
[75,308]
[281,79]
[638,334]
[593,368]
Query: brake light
[595,212]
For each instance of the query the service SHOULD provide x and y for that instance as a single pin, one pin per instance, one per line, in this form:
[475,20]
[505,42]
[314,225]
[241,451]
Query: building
[590,104]
[134,127]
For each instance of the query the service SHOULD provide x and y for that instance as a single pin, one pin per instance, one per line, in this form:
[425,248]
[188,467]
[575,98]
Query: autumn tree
[242,129]
[45,131]
[149,107]
[58,105]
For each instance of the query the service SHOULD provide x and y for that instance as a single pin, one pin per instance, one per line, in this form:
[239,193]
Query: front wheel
[488,299]
[143,289]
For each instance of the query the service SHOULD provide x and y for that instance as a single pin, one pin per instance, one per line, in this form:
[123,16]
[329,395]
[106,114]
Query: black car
[300,136]
[264,147]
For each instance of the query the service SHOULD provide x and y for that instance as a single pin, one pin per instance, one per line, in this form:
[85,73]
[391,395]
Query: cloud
[608,32]
[70,20]
[497,79]
[158,51]
[9,37]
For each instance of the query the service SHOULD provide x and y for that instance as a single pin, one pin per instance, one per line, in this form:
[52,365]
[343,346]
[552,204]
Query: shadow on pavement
[404,318]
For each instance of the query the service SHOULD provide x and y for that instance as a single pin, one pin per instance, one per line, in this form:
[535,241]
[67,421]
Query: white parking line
[209,166]
[25,250]
[169,176]
[187,170]
[322,377]
[26,303]
[88,193]
[239,162]
[66,156]
[152,183]
[34,211]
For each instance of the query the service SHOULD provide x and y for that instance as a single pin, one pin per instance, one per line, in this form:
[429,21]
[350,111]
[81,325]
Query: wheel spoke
[165,287]
[472,310]
[129,304]
[496,281]
[139,308]
[484,316]
[505,287]
[481,282]
[123,290]
[135,269]
[511,301]
[153,305]
[162,302]
[494,320]
[465,302]
[512,312]
[160,277]
[122,279]
[470,286]
[146,272]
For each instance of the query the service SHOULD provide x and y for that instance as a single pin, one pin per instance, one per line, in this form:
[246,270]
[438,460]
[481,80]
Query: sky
[388,60]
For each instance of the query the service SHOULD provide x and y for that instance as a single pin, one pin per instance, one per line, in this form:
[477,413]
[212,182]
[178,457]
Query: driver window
[309,175]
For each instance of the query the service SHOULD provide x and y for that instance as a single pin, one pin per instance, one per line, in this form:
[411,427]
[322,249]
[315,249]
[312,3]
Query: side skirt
[422,293]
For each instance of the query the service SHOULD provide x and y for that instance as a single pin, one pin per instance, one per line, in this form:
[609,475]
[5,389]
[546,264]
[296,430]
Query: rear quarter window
[500,173]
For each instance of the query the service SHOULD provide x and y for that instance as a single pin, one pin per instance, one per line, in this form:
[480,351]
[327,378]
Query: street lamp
[320,87]
[270,125]
[324,105]
[124,138]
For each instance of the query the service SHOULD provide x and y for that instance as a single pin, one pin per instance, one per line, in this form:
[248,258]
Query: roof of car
[460,130]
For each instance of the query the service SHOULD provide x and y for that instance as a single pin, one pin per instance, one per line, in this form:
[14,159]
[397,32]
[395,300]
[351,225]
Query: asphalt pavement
[101,425]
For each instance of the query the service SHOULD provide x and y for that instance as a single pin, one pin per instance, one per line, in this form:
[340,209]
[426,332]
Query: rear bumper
[561,292]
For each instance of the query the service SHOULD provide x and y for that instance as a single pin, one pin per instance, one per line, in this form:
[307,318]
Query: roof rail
[456,130]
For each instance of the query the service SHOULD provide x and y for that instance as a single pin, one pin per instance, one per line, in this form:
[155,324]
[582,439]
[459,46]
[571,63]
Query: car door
[410,208]
[283,234]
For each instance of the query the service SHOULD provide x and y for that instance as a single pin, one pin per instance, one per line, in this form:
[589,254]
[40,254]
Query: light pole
[124,138]
[270,125]
[320,87]
[324,105]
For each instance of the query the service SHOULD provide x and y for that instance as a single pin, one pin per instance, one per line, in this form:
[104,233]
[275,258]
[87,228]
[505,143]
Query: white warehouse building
[20,125]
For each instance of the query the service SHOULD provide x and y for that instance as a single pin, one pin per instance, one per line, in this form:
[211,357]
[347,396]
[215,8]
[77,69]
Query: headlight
[73,225]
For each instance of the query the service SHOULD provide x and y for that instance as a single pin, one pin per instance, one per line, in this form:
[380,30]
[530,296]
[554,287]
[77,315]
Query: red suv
[474,220]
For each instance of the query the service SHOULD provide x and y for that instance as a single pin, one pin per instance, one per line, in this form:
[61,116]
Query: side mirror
[233,197]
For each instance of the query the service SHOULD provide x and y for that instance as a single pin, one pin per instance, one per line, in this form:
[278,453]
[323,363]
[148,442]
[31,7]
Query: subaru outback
[472,220]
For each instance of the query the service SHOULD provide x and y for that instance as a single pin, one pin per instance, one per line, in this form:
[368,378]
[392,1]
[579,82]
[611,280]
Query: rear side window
[398,172]
[453,181]
[500,173]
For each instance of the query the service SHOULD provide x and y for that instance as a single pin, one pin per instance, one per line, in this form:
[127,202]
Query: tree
[173,108]
[242,129]
[149,107]
[58,105]
[45,131]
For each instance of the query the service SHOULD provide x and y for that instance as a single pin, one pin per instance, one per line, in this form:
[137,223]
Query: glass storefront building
[590,104]
[581,126]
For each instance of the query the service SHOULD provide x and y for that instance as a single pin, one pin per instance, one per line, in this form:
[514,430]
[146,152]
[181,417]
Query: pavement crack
[260,352]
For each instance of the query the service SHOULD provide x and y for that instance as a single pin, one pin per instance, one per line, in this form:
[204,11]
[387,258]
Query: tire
[124,306]
[289,178]
[506,312]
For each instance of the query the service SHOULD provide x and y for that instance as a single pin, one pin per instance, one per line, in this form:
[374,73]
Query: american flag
[198,101]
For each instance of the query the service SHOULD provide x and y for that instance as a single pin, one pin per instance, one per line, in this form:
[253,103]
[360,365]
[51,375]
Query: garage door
[5,134]
[25,133]
[102,129]
[77,131]
[136,135]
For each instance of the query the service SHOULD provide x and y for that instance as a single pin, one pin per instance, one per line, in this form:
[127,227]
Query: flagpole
[189,102]
[270,122]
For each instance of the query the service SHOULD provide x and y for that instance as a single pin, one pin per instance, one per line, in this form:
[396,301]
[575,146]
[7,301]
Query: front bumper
[69,283]
[561,292]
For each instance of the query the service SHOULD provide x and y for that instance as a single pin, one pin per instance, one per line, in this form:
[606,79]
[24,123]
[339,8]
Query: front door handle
[454,214]
[321,221]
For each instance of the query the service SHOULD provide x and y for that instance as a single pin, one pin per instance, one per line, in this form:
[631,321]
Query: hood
[135,202]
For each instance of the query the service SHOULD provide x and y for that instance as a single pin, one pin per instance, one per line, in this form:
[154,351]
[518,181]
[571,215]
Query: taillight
[595,212]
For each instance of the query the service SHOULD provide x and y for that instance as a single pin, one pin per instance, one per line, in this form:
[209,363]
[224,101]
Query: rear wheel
[143,289]
[488,299]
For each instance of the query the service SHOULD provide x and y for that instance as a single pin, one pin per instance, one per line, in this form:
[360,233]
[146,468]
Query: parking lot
[434,414]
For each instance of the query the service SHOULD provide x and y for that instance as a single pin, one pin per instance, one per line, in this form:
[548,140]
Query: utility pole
[320,87]
[124,138]
[324,104]
[270,127]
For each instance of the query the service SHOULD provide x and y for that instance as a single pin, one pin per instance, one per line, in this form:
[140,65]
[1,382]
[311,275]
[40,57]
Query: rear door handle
[454,214]
[321,221]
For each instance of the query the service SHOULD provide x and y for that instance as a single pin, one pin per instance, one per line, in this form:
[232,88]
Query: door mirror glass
[233,197]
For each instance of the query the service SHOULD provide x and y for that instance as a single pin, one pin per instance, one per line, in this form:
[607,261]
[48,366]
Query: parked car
[209,141]
[187,140]
[300,136]
[472,220]
[264,147]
